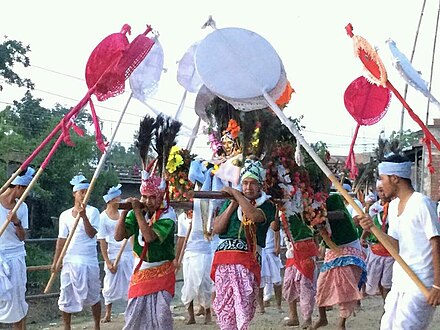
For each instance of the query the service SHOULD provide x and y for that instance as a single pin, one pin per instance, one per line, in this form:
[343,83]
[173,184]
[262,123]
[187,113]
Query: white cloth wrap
[115,285]
[80,287]
[270,268]
[13,306]
[197,283]
[404,310]
[402,170]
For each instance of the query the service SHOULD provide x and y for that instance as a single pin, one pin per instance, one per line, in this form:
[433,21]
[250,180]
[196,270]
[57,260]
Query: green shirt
[233,230]
[371,238]
[160,249]
[298,228]
[342,228]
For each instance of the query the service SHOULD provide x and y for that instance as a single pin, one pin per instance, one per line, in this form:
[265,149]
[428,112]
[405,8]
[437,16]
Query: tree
[11,53]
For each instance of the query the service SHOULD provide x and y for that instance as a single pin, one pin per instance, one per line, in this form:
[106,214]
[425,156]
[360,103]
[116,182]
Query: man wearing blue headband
[80,281]
[242,227]
[117,277]
[13,307]
[414,230]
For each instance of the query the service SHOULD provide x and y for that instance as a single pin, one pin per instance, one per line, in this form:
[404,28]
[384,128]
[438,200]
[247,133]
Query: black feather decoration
[166,133]
[144,137]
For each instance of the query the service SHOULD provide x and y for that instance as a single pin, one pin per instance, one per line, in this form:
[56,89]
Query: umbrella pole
[49,137]
[376,231]
[86,199]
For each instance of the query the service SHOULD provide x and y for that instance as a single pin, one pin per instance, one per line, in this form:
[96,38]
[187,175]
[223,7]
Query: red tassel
[98,135]
[66,134]
[350,163]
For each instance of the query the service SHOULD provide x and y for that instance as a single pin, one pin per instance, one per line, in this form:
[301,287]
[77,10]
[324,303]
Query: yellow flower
[174,159]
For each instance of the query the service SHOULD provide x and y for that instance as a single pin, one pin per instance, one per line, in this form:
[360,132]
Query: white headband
[25,179]
[112,193]
[78,183]
[402,170]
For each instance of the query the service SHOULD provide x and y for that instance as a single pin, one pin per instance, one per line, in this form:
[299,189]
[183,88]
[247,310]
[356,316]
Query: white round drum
[235,63]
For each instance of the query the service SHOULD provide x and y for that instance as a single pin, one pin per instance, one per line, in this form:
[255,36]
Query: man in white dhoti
[13,306]
[197,260]
[379,260]
[271,267]
[414,230]
[80,282]
[117,277]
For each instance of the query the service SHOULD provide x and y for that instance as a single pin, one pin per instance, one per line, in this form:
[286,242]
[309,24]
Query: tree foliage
[13,52]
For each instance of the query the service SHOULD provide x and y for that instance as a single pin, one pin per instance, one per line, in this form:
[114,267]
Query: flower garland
[177,168]
[291,183]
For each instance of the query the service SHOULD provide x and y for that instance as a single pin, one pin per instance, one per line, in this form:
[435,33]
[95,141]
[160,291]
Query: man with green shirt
[152,223]
[242,226]
[299,278]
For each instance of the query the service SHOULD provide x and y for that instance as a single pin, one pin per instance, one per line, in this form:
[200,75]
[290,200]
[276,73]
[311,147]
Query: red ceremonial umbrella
[367,103]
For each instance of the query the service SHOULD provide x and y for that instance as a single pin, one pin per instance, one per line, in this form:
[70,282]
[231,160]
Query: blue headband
[112,193]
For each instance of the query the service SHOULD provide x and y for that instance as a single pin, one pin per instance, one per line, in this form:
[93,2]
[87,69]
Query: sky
[309,36]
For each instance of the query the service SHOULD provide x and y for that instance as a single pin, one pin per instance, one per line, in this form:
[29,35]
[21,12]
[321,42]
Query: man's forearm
[221,221]
[88,228]
[147,233]
[59,247]
[120,231]
[435,246]
[179,245]
[103,246]
[253,213]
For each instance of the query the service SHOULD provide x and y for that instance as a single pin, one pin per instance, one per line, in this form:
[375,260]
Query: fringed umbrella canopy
[367,103]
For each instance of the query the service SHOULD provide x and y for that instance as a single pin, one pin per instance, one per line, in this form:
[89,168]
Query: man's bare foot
[307,324]
[106,319]
[201,311]
[291,323]
[261,310]
[280,309]
[208,318]
[266,303]
[190,321]
[320,323]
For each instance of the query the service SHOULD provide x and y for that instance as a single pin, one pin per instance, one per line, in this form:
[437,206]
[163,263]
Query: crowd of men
[228,273]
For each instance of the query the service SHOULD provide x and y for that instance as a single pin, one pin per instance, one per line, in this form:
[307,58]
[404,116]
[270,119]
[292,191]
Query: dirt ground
[366,319]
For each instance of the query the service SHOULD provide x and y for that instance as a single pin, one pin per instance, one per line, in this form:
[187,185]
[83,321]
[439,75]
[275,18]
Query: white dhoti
[406,311]
[379,271]
[270,269]
[13,306]
[80,287]
[197,283]
[115,285]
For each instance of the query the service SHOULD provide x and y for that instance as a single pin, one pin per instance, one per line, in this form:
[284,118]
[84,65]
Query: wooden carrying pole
[376,231]
[86,200]
[119,255]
